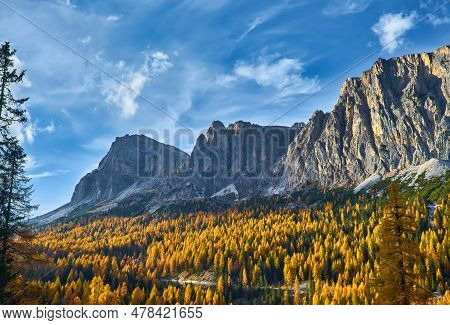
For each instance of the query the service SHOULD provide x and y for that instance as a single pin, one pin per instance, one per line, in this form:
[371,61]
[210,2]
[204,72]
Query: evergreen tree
[137,296]
[188,295]
[15,193]
[15,208]
[396,282]
[221,286]
[11,109]
[310,288]
[297,293]
[153,298]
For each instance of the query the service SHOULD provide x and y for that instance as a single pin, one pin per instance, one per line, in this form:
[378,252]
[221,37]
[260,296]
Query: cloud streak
[113,18]
[345,7]
[263,17]
[256,22]
[52,173]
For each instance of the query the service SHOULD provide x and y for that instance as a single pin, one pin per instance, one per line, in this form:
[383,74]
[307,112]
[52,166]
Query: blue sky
[101,69]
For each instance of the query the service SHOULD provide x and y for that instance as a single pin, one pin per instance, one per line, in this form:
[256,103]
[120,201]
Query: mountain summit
[129,159]
[396,115]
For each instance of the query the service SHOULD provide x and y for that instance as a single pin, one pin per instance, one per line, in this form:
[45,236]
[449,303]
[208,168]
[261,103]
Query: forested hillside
[322,255]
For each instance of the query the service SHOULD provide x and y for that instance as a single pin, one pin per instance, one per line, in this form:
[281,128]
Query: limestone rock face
[130,158]
[242,153]
[396,115]
[241,149]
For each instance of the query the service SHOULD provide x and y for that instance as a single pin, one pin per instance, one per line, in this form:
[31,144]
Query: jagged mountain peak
[238,150]
[396,115]
[216,126]
[318,115]
[298,125]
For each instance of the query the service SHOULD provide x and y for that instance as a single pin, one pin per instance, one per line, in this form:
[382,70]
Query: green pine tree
[15,193]
[11,108]
[15,208]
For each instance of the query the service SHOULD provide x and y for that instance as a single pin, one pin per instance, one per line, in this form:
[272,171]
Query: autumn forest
[331,254]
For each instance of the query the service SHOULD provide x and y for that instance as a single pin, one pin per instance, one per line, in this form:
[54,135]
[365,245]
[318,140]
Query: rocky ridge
[396,115]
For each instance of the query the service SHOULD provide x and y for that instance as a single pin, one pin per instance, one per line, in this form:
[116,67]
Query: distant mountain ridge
[395,116]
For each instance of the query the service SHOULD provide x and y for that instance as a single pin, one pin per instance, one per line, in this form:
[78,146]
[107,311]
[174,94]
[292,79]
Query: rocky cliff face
[242,154]
[397,114]
[130,159]
[141,174]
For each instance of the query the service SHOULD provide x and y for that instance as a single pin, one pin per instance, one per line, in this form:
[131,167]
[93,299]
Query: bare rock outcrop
[129,159]
[396,115]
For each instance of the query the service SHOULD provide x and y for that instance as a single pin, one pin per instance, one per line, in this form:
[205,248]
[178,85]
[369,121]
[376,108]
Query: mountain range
[394,117]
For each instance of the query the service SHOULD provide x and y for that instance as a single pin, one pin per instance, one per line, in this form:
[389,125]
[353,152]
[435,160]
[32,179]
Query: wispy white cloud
[255,23]
[113,18]
[263,17]
[391,27]
[85,40]
[283,74]
[124,94]
[67,3]
[438,20]
[226,80]
[205,5]
[345,7]
[51,173]
[30,162]
[159,62]
[434,5]
[26,133]
[49,128]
